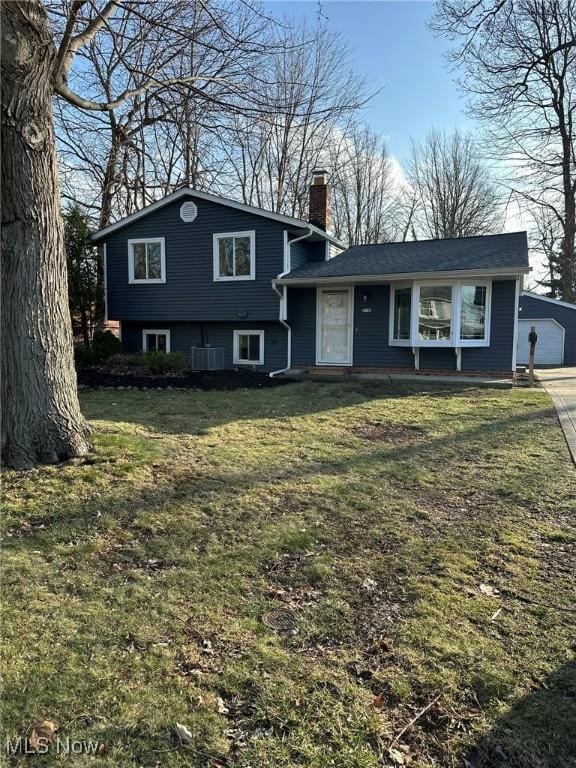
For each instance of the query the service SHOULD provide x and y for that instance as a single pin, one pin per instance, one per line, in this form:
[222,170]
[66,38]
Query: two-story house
[277,293]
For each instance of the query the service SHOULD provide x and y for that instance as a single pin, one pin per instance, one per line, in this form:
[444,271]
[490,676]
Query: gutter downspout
[283,296]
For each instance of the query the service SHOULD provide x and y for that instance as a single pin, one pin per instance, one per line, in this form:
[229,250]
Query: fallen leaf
[45,729]
[369,585]
[378,701]
[397,756]
[221,706]
[495,614]
[184,734]
[486,589]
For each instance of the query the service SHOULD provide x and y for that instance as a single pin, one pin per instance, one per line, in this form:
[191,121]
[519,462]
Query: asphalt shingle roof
[508,251]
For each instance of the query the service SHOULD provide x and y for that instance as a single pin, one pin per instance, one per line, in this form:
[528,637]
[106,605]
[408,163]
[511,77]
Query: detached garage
[555,323]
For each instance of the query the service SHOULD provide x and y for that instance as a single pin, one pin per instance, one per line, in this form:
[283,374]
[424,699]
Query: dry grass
[421,540]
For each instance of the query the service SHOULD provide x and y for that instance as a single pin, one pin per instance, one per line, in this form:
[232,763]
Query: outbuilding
[555,324]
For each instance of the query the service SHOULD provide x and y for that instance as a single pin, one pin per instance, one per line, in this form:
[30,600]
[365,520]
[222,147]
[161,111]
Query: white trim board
[555,302]
[515,333]
[501,273]
[187,192]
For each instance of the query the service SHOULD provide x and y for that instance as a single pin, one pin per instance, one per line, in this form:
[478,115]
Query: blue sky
[393,47]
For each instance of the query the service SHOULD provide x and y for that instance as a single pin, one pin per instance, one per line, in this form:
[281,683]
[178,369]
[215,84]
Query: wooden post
[532,338]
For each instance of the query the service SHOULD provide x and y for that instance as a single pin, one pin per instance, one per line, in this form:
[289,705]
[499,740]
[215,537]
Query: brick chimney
[320,205]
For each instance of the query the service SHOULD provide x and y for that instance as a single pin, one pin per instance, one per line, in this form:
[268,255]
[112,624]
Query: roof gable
[187,192]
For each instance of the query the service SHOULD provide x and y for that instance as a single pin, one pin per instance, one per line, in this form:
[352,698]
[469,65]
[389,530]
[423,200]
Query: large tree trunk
[41,421]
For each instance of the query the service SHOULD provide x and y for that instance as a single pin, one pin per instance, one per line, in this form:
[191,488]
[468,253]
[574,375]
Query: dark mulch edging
[91,378]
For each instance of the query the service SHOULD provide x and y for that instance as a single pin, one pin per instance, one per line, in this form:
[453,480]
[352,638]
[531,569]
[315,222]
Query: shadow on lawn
[192,412]
[538,732]
[177,486]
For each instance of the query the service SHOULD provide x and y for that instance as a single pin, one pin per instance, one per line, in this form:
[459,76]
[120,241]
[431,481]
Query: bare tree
[366,197]
[546,241]
[41,419]
[312,90]
[454,193]
[519,60]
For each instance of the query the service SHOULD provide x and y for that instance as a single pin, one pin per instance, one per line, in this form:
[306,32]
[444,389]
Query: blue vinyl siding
[371,329]
[302,320]
[190,293]
[531,308]
[304,251]
[371,320]
[184,335]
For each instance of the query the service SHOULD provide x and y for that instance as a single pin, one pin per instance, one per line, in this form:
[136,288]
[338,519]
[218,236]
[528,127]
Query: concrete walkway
[560,383]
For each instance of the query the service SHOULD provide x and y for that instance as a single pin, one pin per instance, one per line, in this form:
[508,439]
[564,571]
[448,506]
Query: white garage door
[550,344]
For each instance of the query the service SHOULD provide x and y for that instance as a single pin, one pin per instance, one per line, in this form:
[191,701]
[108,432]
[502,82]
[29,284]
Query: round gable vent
[188,212]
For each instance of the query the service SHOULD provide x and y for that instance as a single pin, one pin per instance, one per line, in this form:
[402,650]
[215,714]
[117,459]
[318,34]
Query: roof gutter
[392,277]
[283,296]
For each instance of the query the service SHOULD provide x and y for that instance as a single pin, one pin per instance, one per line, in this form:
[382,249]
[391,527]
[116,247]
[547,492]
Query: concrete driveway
[561,385]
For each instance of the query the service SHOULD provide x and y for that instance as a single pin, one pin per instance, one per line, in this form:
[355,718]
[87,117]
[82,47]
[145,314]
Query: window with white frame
[435,313]
[234,255]
[147,260]
[402,313]
[249,347]
[449,313]
[473,305]
[154,340]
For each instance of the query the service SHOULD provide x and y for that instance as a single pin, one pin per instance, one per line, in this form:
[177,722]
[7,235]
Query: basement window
[249,347]
[156,340]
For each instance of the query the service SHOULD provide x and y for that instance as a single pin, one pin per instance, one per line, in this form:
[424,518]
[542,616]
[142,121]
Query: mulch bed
[93,378]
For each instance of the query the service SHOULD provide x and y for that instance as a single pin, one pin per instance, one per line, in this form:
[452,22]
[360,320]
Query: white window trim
[242,332]
[216,256]
[455,324]
[131,243]
[158,331]
[319,292]
[391,340]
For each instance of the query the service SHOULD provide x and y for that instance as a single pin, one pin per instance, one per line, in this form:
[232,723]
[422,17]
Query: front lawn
[415,547]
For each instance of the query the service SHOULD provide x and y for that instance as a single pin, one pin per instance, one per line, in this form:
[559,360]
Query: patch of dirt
[226,380]
[379,431]
[288,582]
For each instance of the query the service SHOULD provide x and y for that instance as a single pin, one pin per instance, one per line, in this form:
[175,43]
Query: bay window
[453,313]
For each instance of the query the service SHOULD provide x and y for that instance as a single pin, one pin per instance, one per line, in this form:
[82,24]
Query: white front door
[334,326]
